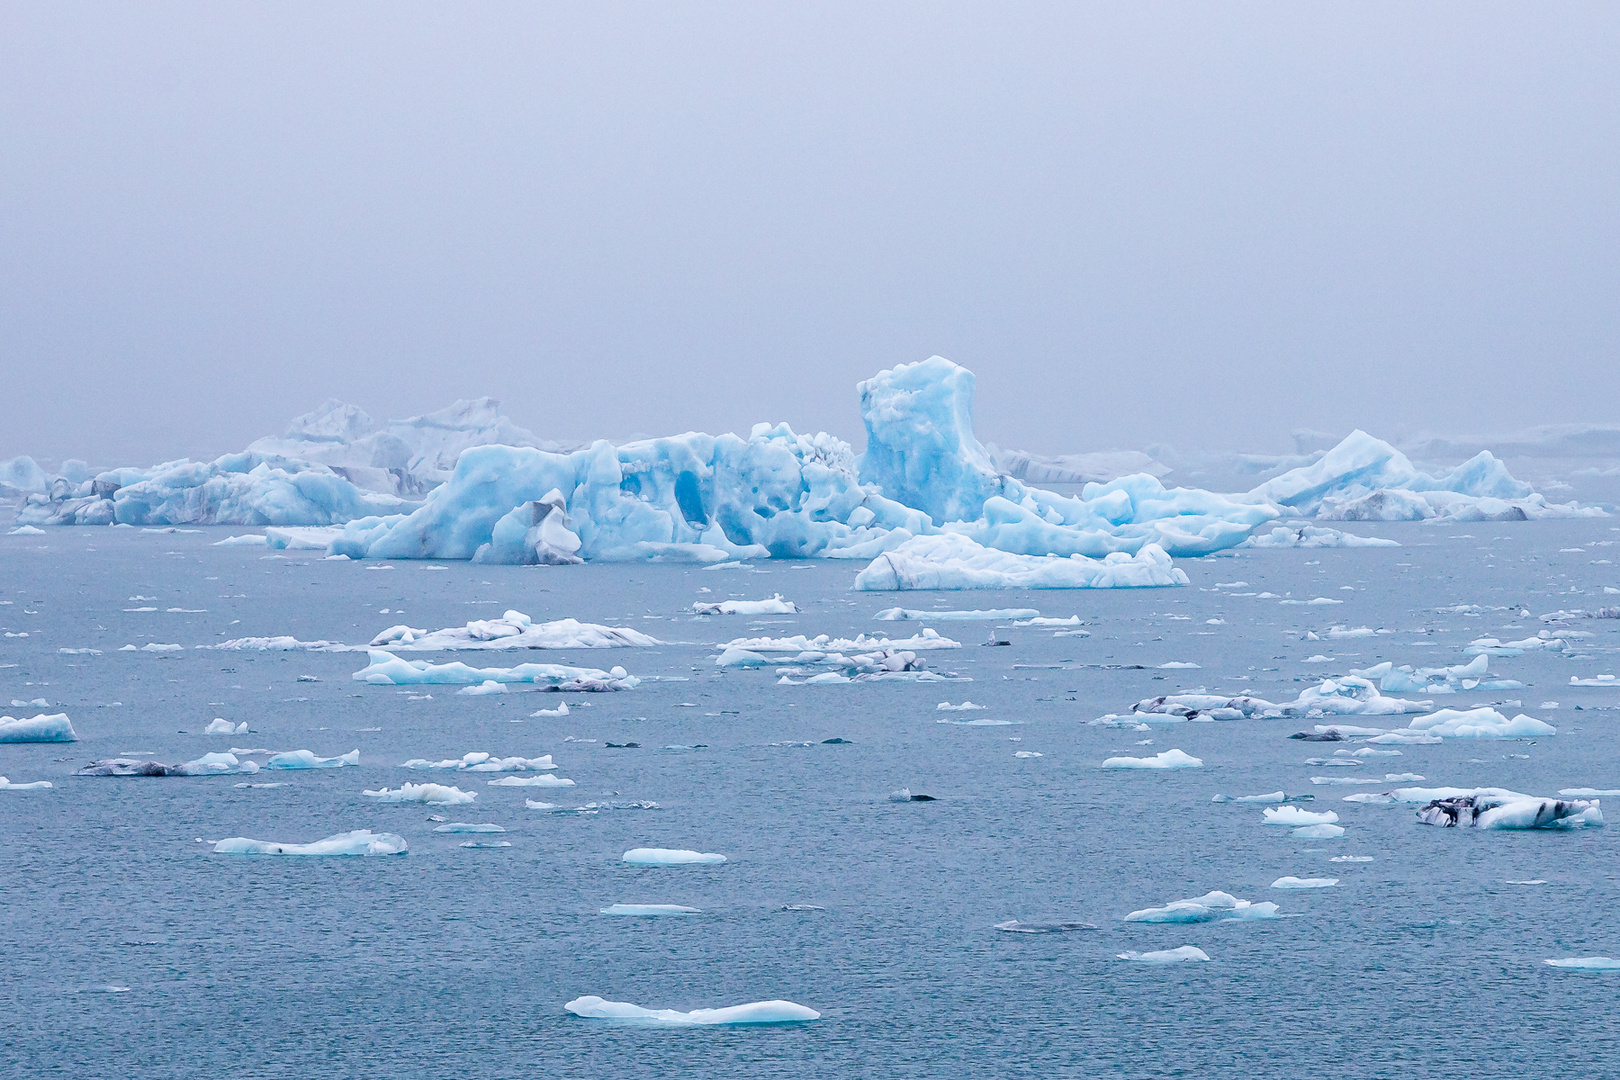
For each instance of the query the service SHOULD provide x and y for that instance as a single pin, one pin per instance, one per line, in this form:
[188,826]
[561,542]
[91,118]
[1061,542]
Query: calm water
[456,962]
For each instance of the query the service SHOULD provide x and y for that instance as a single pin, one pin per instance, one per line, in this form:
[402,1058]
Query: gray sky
[1197,224]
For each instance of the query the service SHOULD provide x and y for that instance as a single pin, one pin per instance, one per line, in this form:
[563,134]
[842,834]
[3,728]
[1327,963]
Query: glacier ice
[1165,956]
[514,630]
[1269,797]
[1293,815]
[479,761]
[1211,907]
[1312,536]
[757,1012]
[541,780]
[439,794]
[1543,641]
[359,842]
[468,827]
[1169,759]
[1305,883]
[671,857]
[896,614]
[956,561]
[1481,723]
[1585,963]
[775,605]
[822,643]
[386,669]
[216,764]
[1324,831]
[1436,680]
[650,909]
[1347,696]
[305,759]
[55,727]
[966,706]
[37,785]
[220,726]
[1509,810]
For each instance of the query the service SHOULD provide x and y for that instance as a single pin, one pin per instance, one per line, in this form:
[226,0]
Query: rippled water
[455,961]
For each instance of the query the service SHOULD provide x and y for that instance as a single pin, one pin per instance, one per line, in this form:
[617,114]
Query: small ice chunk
[1585,963]
[758,1012]
[542,780]
[1211,907]
[1351,858]
[423,793]
[37,729]
[221,726]
[359,842]
[488,686]
[468,827]
[966,706]
[37,785]
[1169,759]
[650,909]
[306,759]
[1166,956]
[773,606]
[1319,832]
[1269,797]
[671,857]
[1014,926]
[1305,883]
[1293,815]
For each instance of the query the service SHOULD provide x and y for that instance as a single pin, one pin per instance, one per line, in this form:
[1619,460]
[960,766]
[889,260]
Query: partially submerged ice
[306,759]
[513,630]
[758,1012]
[386,669]
[1509,810]
[480,761]
[217,764]
[956,561]
[1169,759]
[671,857]
[1211,907]
[52,728]
[359,842]
[1166,956]
[773,605]
[1347,696]
[437,794]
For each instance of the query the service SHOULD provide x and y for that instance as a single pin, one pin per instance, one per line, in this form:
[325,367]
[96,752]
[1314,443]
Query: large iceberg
[36,729]
[758,1012]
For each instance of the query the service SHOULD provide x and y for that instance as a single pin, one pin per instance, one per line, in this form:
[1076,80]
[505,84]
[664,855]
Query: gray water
[456,962]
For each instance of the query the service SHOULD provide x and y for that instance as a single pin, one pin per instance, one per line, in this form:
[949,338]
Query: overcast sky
[1197,224]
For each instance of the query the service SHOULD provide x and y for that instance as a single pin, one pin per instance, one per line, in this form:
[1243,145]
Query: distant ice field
[879,915]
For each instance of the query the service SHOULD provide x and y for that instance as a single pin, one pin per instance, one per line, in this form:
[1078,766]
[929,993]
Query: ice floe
[1293,815]
[1269,797]
[955,561]
[1324,831]
[1169,759]
[1509,810]
[650,909]
[1014,926]
[896,614]
[43,728]
[1436,680]
[1305,883]
[483,762]
[359,842]
[1480,723]
[773,606]
[37,785]
[1585,963]
[966,706]
[438,794]
[1312,536]
[514,630]
[468,827]
[207,765]
[757,1012]
[1348,696]
[306,759]
[671,857]
[1544,641]
[220,726]
[1166,956]
[386,669]
[1211,907]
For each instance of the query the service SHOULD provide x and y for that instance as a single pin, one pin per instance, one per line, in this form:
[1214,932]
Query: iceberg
[1014,926]
[1585,963]
[1211,907]
[1510,811]
[956,561]
[468,827]
[896,614]
[514,630]
[1166,956]
[966,706]
[1293,815]
[221,726]
[1543,641]
[482,762]
[1324,831]
[758,1012]
[821,643]
[1169,759]
[386,669]
[1347,696]
[1436,680]
[1311,536]
[1270,797]
[671,857]
[1097,467]
[650,909]
[359,842]
[37,729]
[773,606]
[1480,723]
[542,780]
[304,759]
[423,793]
[207,765]
[1305,883]
[37,785]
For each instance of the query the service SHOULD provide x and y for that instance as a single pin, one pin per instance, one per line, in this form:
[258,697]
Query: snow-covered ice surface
[452,951]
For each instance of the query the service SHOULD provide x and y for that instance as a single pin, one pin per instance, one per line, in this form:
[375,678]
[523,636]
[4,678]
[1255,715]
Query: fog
[1189,224]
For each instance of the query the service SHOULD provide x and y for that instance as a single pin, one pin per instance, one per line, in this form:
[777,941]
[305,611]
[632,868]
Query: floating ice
[823,644]
[468,827]
[1348,696]
[37,785]
[386,669]
[482,762]
[1437,680]
[26,530]
[1600,680]
[1493,647]
[37,729]
[896,614]
[1305,883]
[955,561]
[1589,793]
[423,793]
[1293,815]
[221,726]
[207,765]
[670,857]
[1509,810]
[1271,797]
[542,780]
[966,706]
[1165,956]
[588,808]
[774,606]
[278,644]
[514,630]
[245,540]
[359,842]
[1480,723]
[650,909]
[1170,759]
[489,686]
[1319,832]
[1585,963]
[758,1012]
[1013,926]
[1311,536]
[1211,907]
[305,759]
[979,722]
